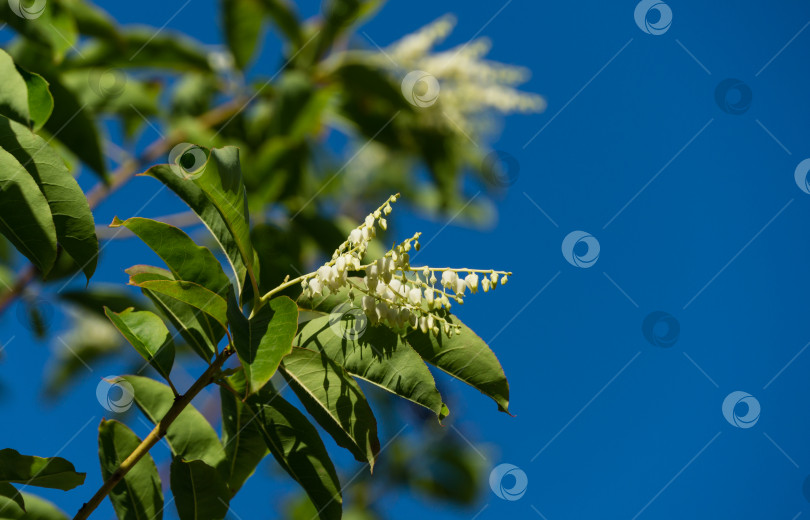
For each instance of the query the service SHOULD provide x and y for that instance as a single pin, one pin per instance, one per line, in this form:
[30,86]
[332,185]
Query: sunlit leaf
[54,472]
[138,495]
[14,91]
[12,504]
[40,509]
[333,398]
[40,100]
[147,333]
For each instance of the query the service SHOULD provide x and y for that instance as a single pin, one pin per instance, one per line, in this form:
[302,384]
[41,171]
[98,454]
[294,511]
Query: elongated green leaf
[285,19]
[243,441]
[148,334]
[375,354]
[466,357]
[185,259]
[199,491]
[264,339]
[25,217]
[40,509]
[54,472]
[190,436]
[12,504]
[72,219]
[333,398]
[14,91]
[73,126]
[40,100]
[192,294]
[296,446]
[139,495]
[215,192]
[200,332]
[243,26]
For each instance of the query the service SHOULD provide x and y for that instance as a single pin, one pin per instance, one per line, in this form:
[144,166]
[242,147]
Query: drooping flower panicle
[392,291]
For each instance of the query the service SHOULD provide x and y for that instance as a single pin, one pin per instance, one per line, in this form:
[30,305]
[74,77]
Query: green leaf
[14,91]
[241,436]
[54,472]
[199,491]
[374,354]
[190,436]
[294,443]
[466,357]
[264,339]
[12,504]
[139,495]
[333,398]
[40,100]
[184,258]
[46,23]
[73,126]
[215,192]
[148,334]
[242,21]
[40,509]
[25,217]
[285,19]
[200,332]
[192,294]
[72,218]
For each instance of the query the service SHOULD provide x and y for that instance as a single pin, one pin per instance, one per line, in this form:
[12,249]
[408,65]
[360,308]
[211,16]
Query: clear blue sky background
[696,212]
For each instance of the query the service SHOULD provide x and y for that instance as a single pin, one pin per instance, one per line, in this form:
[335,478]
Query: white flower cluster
[393,292]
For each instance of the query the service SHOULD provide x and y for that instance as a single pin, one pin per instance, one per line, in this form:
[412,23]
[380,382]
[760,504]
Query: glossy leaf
[72,219]
[71,124]
[54,472]
[200,332]
[25,217]
[215,192]
[192,294]
[264,339]
[190,436]
[147,333]
[333,398]
[14,94]
[374,354]
[40,100]
[297,447]
[466,357]
[138,495]
[184,258]
[199,491]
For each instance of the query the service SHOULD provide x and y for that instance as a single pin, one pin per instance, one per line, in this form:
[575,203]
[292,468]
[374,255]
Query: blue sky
[697,215]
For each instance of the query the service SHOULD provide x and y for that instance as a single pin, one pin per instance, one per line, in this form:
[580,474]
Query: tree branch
[154,436]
